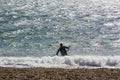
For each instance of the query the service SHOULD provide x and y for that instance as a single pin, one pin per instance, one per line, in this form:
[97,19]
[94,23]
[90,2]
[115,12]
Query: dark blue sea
[31,31]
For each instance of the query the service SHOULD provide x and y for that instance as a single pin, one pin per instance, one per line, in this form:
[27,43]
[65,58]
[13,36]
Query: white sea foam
[62,62]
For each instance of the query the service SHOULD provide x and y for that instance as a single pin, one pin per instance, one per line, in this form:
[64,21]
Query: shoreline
[39,73]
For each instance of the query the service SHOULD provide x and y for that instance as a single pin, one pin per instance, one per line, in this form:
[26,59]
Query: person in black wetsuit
[62,50]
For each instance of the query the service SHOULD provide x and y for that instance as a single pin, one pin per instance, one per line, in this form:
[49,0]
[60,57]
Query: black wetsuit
[62,50]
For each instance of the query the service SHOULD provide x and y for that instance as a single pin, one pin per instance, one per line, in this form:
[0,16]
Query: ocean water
[31,31]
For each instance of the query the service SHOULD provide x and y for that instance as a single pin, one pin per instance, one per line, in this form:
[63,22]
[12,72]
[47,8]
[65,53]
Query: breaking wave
[62,62]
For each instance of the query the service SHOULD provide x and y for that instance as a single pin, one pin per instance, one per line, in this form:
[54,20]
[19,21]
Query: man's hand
[69,47]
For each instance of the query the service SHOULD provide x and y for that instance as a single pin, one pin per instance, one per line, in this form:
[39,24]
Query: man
[62,50]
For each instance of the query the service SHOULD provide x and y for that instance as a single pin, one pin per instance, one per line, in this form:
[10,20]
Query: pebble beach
[39,73]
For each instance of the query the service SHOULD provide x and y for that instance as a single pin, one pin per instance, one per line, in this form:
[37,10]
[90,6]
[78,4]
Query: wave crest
[62,62]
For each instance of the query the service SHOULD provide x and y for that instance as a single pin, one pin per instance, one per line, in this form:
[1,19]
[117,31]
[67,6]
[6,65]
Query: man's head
[61,44]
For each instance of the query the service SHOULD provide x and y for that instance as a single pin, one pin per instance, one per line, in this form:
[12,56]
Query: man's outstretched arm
[67,47]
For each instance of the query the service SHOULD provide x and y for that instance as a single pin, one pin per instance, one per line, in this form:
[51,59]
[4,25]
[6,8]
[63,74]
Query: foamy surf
[62,62]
